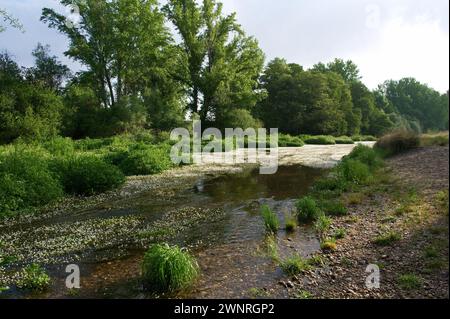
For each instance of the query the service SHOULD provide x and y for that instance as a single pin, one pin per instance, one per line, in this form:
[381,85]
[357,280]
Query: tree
[418,103]
[9,19]
[27,109]
[222,65]
[48,70]
[347,69]
[306,102]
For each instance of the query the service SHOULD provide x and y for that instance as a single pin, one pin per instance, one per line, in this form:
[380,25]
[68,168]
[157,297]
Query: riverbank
[400,223]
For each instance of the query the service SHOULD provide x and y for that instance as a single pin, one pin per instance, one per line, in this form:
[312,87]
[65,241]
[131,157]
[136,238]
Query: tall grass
[321,140]
[271,221]
[398,142]
[168,268]
[307,210]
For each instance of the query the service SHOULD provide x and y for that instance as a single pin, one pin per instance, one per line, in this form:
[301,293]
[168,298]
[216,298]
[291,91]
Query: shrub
[294,265]
[354,171]
[285,140]
[368,138]
[366,155]
[307,210]
[168,268]
[146,160]
[398,142]
[33,277]
[26,181]
[87,175]
[270,219]
[321,140]
[330,183]
[344,140]
[387,239]
[59,146]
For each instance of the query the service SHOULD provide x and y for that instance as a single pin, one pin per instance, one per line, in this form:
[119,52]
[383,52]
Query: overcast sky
[388,39]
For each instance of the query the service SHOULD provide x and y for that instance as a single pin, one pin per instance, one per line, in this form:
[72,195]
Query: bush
[60,146]
[307,210]
[34,277]
[354,171]
[366,155]
[87,175]
[344,140]
[167,268]
[321,140]
[146,160]
[285,140]
[330,183]
[26,181]
[398,142]
[270,219]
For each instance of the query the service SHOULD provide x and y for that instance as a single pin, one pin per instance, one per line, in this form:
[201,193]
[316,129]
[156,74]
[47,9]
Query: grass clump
[33,277]
[410,281]
[321,140]
[291,223]
[271,221]
[303,294]
[340,233]
[344,140]
[87,175]
[328,245]
[334,208]
[307,210]
[294,265]
[168,268]
[437,139]
[322,224]
[366,155]
[387,238]
[398,142]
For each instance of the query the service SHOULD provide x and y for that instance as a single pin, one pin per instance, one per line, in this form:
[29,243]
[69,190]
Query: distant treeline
[136,76]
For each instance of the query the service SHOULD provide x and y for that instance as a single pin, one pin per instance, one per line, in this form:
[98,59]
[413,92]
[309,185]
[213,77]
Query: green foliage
[366,155]
[439,139]
[34,277]
[354,171]
[294,265]
[144,160]
[334,208]
[322,224]
[344,140]
[321,140]
[307,210]
[166,268]
[286,140]
[26,181]
[340,233]
[271,221]
[291,223]
[388,238]
[398,142]
[328,245]
[87,174]
[410,281]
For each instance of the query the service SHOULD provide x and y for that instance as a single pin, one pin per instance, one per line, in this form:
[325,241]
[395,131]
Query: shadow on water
[230,251]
